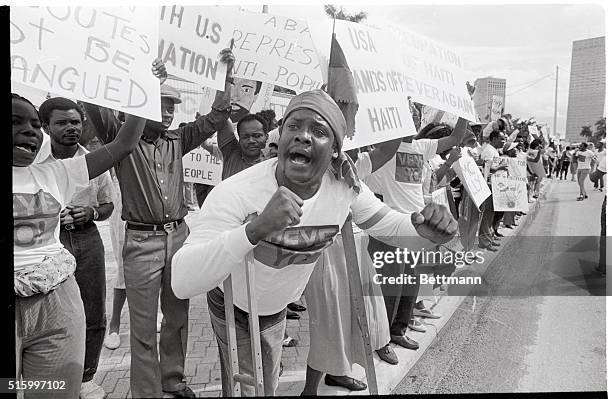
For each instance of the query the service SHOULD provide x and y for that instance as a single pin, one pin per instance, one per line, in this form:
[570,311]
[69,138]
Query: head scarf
[321,103]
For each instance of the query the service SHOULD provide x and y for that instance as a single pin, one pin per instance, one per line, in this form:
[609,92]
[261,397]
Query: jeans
[50,339]
[147,257]
[85,244]
[271,333]
[564,168]
[399,298]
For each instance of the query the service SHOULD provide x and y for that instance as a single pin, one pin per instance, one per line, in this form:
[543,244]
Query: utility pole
[556,89]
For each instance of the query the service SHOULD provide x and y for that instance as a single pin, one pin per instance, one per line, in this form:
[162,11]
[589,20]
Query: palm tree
[586,132]
[339,13]
[600,129]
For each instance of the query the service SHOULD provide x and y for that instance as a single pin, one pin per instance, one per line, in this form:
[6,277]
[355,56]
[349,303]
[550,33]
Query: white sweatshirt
[218,244]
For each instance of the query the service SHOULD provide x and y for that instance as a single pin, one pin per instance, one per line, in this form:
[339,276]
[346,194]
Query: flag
[341,86]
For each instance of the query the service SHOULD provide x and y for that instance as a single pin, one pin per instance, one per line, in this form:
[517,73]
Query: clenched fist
[283,210]
[435,223]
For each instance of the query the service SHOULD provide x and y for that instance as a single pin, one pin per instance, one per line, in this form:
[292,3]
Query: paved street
[531,341]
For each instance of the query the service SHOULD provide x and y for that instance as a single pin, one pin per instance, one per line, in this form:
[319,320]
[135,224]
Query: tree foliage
[600,129]
[333,11]
[586,132]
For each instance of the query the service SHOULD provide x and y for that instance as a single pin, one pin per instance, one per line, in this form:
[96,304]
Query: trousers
[85,244]
[271,334]
[147,261]
[399,298]
[50,339]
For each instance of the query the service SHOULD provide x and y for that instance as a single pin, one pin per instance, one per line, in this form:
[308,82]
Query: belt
[168,227]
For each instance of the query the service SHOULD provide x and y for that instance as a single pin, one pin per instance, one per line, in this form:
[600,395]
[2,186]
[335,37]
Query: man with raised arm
[286,210]
[151,182]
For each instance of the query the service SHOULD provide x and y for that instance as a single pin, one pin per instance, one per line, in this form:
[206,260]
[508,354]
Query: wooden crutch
[357,301]
[233,367]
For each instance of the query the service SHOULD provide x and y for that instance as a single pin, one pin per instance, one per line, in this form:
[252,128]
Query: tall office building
[587,90]
[486,88]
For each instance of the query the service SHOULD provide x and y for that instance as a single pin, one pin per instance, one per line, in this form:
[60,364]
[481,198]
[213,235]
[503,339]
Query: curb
[389,376]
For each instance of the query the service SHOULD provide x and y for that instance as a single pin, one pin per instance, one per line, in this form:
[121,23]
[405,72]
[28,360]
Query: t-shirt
[283,261]
[99,190]
[40,192]
[584,159]
[363,165]
[400,181]
[491,157]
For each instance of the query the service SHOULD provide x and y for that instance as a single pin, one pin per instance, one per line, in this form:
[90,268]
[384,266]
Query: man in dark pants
[151,182]
[63,120]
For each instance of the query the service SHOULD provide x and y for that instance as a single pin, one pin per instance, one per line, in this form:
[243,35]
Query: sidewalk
[202,368]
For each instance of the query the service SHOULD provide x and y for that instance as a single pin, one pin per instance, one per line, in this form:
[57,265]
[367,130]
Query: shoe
[160,318]
[600,189]
[183,393]
[495,244]
[292,315]
[347,382]
[112,341]
[425,313]
[498,234]
[586,196]
[387,354]
[296,307]
[289,342]
[488,248]
[581,198]
[416,325]
[509,226]
[601,271]
[91,390]
[404,341]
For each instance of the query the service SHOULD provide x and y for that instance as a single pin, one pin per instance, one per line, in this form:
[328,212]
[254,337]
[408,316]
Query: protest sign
[510,187]
[100,55]
[384,112]
[248,96]
[533,131]
[276,50]
[279,103]
[433,115]
[401,62]
[497,104]
[473,181]
[190,39]
[201,167]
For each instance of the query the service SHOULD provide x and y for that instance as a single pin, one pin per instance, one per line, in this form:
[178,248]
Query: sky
[522,43]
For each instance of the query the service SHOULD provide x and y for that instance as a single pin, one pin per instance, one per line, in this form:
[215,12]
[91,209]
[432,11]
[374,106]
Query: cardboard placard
[201,167]
[101,55]
[275,49]
[510,187]
[472,179]
[497,104]
[190,39]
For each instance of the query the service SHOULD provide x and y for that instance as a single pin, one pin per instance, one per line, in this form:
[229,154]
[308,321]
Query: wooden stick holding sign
[357,302]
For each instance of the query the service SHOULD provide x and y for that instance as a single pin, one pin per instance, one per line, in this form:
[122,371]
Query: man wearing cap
[151,182]
[286,210]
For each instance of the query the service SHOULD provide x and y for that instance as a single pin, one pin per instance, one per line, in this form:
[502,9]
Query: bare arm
[104,158]
[383,152]
[446,143]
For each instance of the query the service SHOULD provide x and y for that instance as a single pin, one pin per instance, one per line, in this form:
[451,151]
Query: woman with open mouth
[49,314]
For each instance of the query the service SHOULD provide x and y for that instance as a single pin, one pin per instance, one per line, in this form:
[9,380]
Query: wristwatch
[96,215]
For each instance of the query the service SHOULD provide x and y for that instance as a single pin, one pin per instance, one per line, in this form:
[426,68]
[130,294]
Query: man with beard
[286,210]
[244,94]
[62,119]
[151,181]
